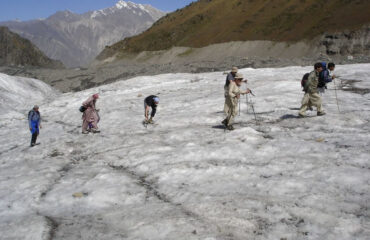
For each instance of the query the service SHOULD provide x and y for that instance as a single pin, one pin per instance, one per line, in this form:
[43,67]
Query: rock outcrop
[17,51]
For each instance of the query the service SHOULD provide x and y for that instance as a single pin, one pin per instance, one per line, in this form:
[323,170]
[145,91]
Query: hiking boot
[32,144]
[224,122]
[85,132]
[321,113]
[94,130]
[301,116]
[150,121]
[230,127]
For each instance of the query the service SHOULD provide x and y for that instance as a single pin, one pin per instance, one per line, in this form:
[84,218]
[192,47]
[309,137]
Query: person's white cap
[234,69]
[238,76]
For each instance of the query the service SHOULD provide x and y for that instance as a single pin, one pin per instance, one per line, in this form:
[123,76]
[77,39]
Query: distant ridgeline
[76,39]
[208,22]
[17,51]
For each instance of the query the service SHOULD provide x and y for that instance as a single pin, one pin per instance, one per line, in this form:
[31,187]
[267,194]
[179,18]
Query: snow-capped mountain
[138,9]
[76,39]
[279,177]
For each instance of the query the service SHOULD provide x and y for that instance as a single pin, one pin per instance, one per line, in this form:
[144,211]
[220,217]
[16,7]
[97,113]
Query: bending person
[150,102]
[90,116]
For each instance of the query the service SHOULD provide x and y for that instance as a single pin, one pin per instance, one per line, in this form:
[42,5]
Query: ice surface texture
[186,178]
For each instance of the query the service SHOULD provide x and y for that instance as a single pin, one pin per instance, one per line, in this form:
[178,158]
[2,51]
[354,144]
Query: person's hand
[40,126]
[238,96]
[248,90]
[333,77]
[30,129]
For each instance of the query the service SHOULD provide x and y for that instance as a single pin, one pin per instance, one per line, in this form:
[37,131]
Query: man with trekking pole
[325,77]
[232,98]
[311,96]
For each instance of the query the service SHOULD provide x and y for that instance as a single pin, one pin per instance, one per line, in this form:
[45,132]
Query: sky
[34,9]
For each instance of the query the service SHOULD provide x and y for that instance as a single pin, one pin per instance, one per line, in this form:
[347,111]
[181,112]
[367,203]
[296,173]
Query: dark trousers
[34,137]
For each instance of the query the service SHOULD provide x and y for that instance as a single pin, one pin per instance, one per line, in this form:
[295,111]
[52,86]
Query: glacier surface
[279,177]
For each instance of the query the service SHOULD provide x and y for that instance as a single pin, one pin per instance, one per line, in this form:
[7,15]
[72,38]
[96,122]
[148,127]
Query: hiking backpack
[304,79]
[82,109]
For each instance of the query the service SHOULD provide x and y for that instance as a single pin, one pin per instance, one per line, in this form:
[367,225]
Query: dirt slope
[208,22]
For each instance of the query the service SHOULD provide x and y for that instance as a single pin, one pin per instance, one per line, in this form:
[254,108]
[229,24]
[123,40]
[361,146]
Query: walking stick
[239,106]
[336,95]
[255,116]
[252,106]
[246,99]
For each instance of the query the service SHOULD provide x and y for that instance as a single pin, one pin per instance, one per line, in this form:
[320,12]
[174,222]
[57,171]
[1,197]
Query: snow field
[185,177]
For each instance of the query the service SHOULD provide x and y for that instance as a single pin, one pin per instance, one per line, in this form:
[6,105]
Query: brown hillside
[215,21]
[17,51]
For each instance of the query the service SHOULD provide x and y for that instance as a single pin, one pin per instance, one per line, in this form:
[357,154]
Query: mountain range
[17,51]
[76,39]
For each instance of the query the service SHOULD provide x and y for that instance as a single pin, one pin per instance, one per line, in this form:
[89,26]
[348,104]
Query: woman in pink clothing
[90,116]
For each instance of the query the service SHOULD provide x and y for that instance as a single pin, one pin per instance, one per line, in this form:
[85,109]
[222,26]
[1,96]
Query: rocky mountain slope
[208,22]
[342,38]
[76,39]
[17,51]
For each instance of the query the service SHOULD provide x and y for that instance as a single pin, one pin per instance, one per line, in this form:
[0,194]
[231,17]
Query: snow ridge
[120,5]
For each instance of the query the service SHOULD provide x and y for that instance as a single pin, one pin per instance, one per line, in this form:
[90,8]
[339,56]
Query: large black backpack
[304,79]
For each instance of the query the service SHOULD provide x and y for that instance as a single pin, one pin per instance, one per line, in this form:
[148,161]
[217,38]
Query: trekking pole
[255,116]
[336,95]
[246,99]
[239,106]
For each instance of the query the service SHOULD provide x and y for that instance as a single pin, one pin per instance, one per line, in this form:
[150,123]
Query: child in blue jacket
[34,122]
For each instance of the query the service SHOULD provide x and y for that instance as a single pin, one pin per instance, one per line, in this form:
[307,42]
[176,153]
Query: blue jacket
[324,76]
[34,118]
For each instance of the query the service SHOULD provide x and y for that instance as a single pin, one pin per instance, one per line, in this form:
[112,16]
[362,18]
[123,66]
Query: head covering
[35,107]
[156,99]
[238,76]
[323,65]
[96,96]
[234,69]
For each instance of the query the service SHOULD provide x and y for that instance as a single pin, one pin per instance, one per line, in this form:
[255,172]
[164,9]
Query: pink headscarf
[96,96]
